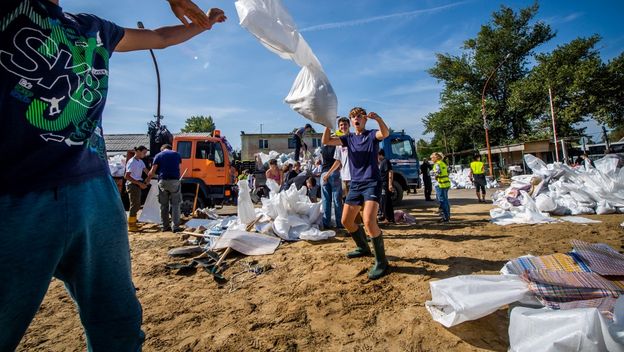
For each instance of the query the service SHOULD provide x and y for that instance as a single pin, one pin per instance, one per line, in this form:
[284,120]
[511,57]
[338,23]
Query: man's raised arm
[160,38]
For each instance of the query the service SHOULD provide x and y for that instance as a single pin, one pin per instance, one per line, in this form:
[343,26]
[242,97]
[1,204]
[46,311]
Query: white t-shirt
[342,154]
[135,168]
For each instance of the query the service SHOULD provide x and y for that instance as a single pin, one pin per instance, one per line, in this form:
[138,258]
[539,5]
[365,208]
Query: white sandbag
[314,234]
[311,94]
[151,208]
[313,97]
[545,330]
[545,203]
[271,24]
[248,243]
[468,297]
[245,208]
[604,207]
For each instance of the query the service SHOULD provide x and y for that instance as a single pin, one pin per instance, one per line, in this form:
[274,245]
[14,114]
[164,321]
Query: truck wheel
[397,194]
[187,203]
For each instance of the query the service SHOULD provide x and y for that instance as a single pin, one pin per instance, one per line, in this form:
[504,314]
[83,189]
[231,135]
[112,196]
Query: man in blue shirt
[54,69]
[365,185]
[167,165]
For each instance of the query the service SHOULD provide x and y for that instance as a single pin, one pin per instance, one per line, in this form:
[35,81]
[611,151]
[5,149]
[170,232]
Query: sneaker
[165,229]
[177,229]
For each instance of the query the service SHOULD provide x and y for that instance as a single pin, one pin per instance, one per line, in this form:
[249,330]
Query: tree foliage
[199,123]
[500,65]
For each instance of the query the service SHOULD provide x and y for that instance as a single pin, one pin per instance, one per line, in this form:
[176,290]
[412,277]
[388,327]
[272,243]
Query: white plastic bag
[468,297]
[545,330]
[245,208]
[313,97]
[268,21]
[311,94]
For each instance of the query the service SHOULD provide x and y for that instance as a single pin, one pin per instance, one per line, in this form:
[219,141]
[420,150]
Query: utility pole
[606,139]
[552,114]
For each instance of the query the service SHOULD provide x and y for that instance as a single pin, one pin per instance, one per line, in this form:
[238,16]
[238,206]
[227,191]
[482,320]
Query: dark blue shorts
[362,191]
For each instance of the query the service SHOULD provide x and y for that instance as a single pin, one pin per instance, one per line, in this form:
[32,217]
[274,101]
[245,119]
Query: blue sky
[375,53]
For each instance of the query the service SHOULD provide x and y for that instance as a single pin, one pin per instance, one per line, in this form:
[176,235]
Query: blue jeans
[442,197]
[331,193]
[78,234]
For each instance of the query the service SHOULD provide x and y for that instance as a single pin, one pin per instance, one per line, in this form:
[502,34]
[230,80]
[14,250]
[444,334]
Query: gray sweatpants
[170,197]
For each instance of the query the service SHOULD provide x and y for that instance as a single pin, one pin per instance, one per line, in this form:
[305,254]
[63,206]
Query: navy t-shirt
[168,162]
[53,86]
[327,154]
[363,150]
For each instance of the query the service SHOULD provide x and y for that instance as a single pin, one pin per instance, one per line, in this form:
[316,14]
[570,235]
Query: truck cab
[399,148]
[208,175]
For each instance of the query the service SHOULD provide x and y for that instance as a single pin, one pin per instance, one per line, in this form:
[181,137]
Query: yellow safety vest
[476,167]
[442,177]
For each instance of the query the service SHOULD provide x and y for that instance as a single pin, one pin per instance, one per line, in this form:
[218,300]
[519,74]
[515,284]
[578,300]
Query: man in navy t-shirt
[365,186]
[167,165]
[54,71]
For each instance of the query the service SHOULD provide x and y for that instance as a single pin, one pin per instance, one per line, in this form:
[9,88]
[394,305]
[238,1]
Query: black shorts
[362,191]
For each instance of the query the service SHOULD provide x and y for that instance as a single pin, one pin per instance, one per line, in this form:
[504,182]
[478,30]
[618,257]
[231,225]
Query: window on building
[184,148]
[316,142]
[291,143]
[263,143]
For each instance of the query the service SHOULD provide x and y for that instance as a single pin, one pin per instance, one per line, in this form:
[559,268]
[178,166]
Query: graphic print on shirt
[59,105]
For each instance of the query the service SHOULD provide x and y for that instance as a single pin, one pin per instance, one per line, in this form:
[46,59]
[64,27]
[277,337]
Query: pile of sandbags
[117,165]
[460,179]
[559,189]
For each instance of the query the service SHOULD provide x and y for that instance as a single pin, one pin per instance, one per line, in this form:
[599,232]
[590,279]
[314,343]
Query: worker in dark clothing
[425,168]
[298,136]
[386,208]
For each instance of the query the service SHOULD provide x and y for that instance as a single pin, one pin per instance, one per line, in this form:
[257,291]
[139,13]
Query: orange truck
[207,170]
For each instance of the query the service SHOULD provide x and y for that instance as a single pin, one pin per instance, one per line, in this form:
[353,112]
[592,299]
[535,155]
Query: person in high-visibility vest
[442,185]
[477,176]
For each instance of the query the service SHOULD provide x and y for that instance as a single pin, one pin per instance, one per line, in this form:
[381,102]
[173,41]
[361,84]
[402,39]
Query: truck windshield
[402,149]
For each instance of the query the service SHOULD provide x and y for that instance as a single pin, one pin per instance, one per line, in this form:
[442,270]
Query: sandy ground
[318,300]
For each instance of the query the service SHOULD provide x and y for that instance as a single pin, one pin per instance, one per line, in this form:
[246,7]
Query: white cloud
[399,59]
[362,21]
[563,19]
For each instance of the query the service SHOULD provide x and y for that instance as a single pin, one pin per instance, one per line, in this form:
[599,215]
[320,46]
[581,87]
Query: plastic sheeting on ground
[562,190]
[580,326]
[248,243]
[468,297]
[311,94]
[581,329]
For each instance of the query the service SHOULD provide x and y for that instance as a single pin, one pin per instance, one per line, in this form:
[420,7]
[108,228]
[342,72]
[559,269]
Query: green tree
[573,73]
[198,123]
[611,110]
[500,52]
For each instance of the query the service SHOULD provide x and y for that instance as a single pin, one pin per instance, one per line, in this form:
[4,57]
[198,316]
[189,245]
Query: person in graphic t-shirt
[365,186]
[54,72]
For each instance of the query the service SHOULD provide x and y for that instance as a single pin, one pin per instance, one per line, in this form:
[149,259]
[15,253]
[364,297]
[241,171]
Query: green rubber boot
[362,250]
[381,263]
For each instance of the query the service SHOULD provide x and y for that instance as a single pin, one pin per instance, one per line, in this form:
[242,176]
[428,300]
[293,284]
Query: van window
[184,149]
[402,149]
